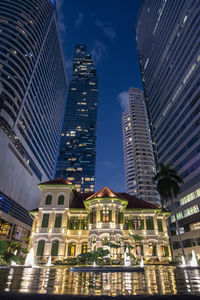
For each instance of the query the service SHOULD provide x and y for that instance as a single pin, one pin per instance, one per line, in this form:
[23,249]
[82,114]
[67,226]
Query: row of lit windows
[186,213]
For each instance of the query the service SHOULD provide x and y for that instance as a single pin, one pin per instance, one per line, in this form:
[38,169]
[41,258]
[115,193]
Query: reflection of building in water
[68,223]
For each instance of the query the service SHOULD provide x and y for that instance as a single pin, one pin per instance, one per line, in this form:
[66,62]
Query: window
[58,221]
[72,249]
[45,221]
[152,249]
[139,249]
[149,223]
[73,223]
[138,223]
[160,226]
[48,200]
[61,199]
[84,247]
[93,215]
[54,248]
[40,248]
[84,223]
[164,250]
[126,224]
[117,215]
[106,214]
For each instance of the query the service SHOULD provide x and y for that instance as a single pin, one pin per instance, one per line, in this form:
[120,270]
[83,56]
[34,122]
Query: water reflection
[58,280]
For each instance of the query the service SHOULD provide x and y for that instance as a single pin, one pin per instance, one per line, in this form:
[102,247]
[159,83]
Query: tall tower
[144,164]
[32,96]
[167,34]
[76,160]
[129,168]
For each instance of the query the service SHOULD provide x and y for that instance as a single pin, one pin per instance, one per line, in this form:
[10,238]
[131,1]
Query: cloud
[60,16]
[108,30]
[79,20]
[98,51]
[123,99]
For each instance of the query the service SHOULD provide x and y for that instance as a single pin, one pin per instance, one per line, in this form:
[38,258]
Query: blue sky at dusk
[107,27]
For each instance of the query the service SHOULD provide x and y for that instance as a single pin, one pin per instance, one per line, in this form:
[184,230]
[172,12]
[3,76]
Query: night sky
[107,27]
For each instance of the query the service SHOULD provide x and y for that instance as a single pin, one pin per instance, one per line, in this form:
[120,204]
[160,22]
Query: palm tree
[168,186]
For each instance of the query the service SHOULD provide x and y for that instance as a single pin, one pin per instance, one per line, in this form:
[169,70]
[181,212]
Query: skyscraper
[76,160]
[129,169]
[32,96]
[167,34]
[139,153]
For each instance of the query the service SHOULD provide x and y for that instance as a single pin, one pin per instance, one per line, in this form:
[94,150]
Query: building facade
[77,155]
[167,34]
[129,169]
[32,96]
[139,150]
[68,223]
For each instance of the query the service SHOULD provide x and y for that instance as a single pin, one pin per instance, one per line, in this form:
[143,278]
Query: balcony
[107,225]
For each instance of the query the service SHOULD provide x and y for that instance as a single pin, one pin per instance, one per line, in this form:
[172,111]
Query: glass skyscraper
[167,34]
[33,86]
[77,155]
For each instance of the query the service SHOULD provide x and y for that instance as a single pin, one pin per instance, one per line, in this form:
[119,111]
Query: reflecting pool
[59,280]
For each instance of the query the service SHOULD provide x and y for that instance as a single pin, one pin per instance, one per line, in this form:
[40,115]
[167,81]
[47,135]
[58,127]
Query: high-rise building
[77,155]
[143,158]
[129,169]
[32,97]
[167,34]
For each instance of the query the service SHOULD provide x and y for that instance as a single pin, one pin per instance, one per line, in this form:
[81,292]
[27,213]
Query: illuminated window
[84,93]
[72,249]
[87,179]
[93,215]
[84,247]
[152,249]
[137,223]
[106,214]
[70,178]
[139,249]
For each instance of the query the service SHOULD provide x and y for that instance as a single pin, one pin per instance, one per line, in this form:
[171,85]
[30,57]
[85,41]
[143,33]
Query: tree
[168,186]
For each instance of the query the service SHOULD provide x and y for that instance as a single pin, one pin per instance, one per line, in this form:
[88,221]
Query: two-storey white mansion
[68,223]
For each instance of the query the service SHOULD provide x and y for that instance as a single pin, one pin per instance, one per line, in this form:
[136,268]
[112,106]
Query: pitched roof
[104,193]
[78,200]
[56,181]
[134,202]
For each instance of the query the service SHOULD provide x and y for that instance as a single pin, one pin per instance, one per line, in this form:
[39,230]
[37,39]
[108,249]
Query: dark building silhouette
[76,161]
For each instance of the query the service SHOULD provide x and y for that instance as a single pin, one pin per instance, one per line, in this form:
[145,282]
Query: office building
[68,224]
[130,180]
[144,163]
[32,97]
[167,34]
[77,155]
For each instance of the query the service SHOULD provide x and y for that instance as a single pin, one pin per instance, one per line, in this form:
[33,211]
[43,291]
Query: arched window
[40,248]
[48,200]
[54,248]
[72,249]
[61,199]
